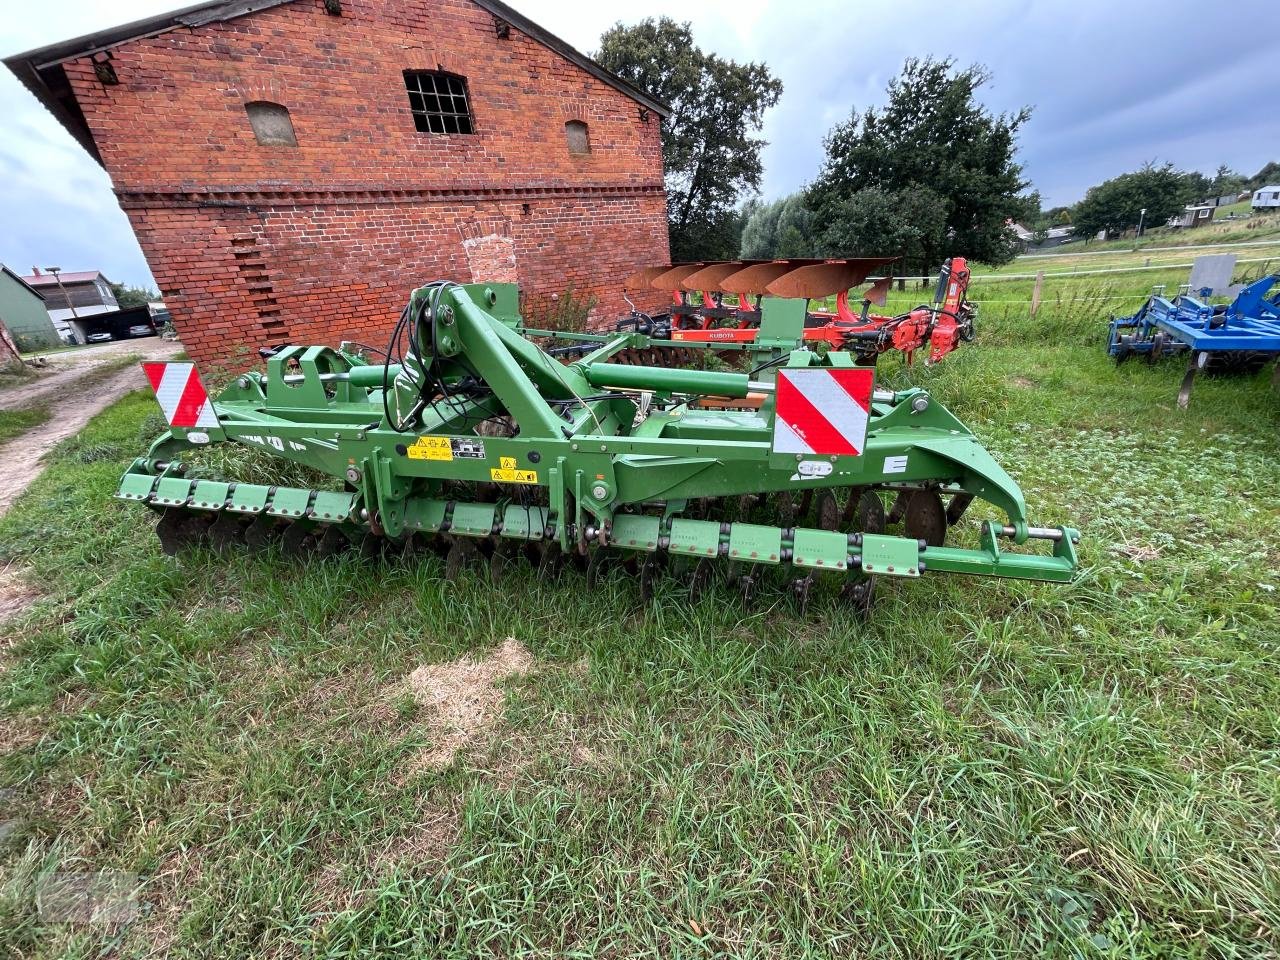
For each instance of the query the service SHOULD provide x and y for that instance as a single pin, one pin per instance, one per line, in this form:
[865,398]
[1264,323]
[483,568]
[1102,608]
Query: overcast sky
[1113,84]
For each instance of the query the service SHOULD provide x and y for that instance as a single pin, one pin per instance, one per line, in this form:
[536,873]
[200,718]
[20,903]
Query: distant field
[1075,298]
[1242,229]
[1085,265]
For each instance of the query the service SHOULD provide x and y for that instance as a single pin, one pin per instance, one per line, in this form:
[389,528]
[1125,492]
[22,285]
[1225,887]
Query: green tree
[710,155]
[759,229]
[783,228]
[795,228]
[1117,204]
[1226,181]
[934,161]
[1058,216]
[1268,175]
[133,296]
[876,221]
[1198,186]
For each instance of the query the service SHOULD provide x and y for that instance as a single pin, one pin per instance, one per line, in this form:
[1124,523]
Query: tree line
[1162,191]
[930,174]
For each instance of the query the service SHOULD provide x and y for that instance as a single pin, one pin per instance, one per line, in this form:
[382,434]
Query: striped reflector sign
[823,410]
[181,394]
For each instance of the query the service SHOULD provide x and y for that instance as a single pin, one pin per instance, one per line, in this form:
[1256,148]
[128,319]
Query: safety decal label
[467,448]
[430,448]
[823,410]
[507,472]
[181,395]
[895,465]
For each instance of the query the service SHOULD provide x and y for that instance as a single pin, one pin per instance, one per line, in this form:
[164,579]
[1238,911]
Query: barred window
[438,101]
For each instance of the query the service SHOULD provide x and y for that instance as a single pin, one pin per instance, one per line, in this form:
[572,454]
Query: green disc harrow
[471,438]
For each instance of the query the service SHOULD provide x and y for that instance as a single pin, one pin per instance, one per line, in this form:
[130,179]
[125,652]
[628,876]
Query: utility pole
[56,271]
[1141,216]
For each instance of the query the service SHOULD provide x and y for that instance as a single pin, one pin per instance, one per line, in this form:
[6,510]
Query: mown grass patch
[14,423]
[983,768]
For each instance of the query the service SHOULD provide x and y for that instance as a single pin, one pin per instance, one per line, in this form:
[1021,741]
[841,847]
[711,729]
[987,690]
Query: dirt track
[75,388]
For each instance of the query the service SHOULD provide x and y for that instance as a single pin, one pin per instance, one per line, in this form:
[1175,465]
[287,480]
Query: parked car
[142,330]
[100,337]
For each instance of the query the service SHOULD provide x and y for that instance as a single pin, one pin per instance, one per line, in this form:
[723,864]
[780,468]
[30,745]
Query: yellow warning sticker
[430,448]
[507,472]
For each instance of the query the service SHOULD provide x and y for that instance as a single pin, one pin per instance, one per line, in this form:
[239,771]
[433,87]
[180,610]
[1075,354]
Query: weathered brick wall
[255,245]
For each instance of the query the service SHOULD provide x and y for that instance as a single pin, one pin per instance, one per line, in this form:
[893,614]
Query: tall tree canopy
[716,104]
[133,296]
[1268,175]
[1117,204]
[783,228]
[929,175]
[1226,181]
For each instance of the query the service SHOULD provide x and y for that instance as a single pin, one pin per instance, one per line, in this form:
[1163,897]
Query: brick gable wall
[255,245]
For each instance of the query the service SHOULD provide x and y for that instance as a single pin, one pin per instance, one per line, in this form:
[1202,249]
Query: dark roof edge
[550,40]
[40,69]
[70,117]
[211,11]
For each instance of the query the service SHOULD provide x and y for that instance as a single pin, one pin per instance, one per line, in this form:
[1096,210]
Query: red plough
[729,307]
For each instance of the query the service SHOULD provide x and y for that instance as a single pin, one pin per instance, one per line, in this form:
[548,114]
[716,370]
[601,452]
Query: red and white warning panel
[823,410]
[181,395]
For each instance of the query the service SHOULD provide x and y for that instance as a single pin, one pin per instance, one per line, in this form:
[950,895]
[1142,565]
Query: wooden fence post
[1035,294]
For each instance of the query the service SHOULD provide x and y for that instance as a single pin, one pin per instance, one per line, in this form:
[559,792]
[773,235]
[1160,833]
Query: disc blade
[859,593]
[828,510]
[867,512]
[926,518]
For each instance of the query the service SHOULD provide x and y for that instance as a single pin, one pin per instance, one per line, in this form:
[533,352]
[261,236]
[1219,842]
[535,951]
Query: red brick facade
[255,245]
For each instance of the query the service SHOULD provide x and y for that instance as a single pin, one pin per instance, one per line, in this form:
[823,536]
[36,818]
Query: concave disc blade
[926,518]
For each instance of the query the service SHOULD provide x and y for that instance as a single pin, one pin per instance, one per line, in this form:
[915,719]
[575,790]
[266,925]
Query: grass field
[983,769]
[1260,226]
[1253,258]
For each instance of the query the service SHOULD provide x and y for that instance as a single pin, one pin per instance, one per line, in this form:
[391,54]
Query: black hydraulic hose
[766,365]
[396,333]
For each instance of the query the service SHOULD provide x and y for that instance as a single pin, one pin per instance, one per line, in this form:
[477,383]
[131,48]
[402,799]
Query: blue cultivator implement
[1241,336]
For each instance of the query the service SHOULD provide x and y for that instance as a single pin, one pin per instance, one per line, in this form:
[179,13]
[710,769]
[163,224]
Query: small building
[22,312]
[1033,240]
[1195,215]
[294,168]
[72,298]
[1268,198]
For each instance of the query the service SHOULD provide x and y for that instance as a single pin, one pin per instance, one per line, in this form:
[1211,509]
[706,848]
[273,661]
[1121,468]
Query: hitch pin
[324,377]
[1034,533]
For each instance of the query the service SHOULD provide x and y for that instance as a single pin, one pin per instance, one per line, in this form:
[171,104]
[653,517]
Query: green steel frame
[582,469]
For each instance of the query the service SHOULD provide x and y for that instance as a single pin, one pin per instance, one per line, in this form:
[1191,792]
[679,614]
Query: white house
[1268,198]
[72,296]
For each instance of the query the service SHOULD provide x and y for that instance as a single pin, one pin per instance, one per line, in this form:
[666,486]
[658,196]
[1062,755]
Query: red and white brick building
[293,168]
